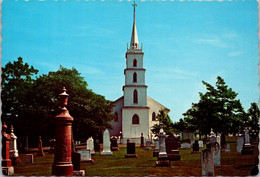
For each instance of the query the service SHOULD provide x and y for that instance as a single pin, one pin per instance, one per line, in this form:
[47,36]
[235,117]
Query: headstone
[52,146]
[201,144]
[148,145]
[247,148]
[114,145]
[97,146]
[40,148]
[106,144]
[212,137]
[29,158]
[142,140]
[85,155]
[172,147]
[7,167]
[76,161]
[162,156]
[240,142]
[130,151]
[215,148]
[207,163]
[195,147]
[227,148]
[185,145]
[218,139]
[14,156]
[156,147]
[90,145]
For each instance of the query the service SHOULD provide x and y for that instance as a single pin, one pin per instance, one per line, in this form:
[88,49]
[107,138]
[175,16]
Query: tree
[217,109]
[253,115]
[163,118]
[17,81]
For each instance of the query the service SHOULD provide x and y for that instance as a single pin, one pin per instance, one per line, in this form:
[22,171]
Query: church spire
[134,38]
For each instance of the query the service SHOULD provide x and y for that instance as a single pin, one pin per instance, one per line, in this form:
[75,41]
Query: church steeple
[134,38]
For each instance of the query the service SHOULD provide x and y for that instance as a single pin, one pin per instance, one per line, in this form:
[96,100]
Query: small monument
[162,156]
[7,167]
[212,137]
[40,149]
[106,144]
[130,151]
[14,156]
[172,147]
[62,165]
[90,145]
[215,148]
[227,147]
[85,155]
[201,145]
[247,148]
[195,147]
[207,163]
[142,140]
[156,147]
[240,142]
[148,145]
[218,139]
[114,145]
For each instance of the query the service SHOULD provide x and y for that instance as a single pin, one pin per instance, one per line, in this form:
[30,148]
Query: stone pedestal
[130,153]
[106,144]
[207,163]
[62,165]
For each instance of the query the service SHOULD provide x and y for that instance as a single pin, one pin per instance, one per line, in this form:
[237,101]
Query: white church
[135,112]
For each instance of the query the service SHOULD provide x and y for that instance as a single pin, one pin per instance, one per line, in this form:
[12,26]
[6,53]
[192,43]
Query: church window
[135,119]
[153,116]
[135,96]
[135,63]
[134,77]
[116,117]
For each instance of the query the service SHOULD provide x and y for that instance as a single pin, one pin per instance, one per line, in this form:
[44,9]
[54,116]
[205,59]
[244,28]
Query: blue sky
[184,42]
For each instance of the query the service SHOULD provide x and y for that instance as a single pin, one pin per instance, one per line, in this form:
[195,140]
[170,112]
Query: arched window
[135,96]
[116,117]
[135,119]
[134,77]
[153,116]
[135,63]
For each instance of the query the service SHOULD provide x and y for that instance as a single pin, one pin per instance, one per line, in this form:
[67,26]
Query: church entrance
[135,131]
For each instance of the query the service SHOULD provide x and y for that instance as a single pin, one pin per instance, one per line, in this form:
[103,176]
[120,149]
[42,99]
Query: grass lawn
[232,164]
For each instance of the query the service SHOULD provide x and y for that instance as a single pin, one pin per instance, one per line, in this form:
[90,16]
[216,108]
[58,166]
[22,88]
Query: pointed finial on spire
[134,38]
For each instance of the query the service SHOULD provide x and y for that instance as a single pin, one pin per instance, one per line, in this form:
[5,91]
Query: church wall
[128,96]
[132,130]
[140,77]
[117,126]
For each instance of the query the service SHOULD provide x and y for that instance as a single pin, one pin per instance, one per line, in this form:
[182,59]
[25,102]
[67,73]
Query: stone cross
[106,144]
[207,163]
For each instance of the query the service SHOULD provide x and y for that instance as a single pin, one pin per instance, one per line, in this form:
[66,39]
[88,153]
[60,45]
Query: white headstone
[90,145]
[215,148]
[13,144]
[240,142]
[106,144]
[85,155]
[207,163]
[201,144]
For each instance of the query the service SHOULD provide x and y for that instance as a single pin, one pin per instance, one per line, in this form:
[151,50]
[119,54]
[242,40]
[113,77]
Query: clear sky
[184,42]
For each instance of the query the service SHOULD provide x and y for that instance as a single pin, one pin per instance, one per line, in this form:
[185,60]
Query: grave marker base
[131,155]
[79,173]
[174,157]
[106,153]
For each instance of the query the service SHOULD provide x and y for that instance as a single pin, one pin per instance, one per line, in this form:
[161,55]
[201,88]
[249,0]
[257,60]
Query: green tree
[17,81]
[253,116]
[163,118]
[217,109]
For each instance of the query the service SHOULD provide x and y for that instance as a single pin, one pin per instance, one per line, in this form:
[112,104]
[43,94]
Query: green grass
[232,164]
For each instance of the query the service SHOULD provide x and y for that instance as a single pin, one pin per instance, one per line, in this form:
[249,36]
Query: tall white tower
[135,112]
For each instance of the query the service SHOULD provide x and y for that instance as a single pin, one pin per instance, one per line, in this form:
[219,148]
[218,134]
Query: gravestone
[29,158]
[218,139]
[156,147]
[201,144]
[40,148]
[247,148]
[114,145]
[185,145]
[207,163]
[90,145]
[172,147]
[106,144]
[142,140]
[227,147]
[162,156]
[195,147]
[215,148]
[52,146]
[14,156]
[130,151]
[85,155]
[7,167]
[76,160]
[148,145]
[97,146]
[212,137]
[240,142]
